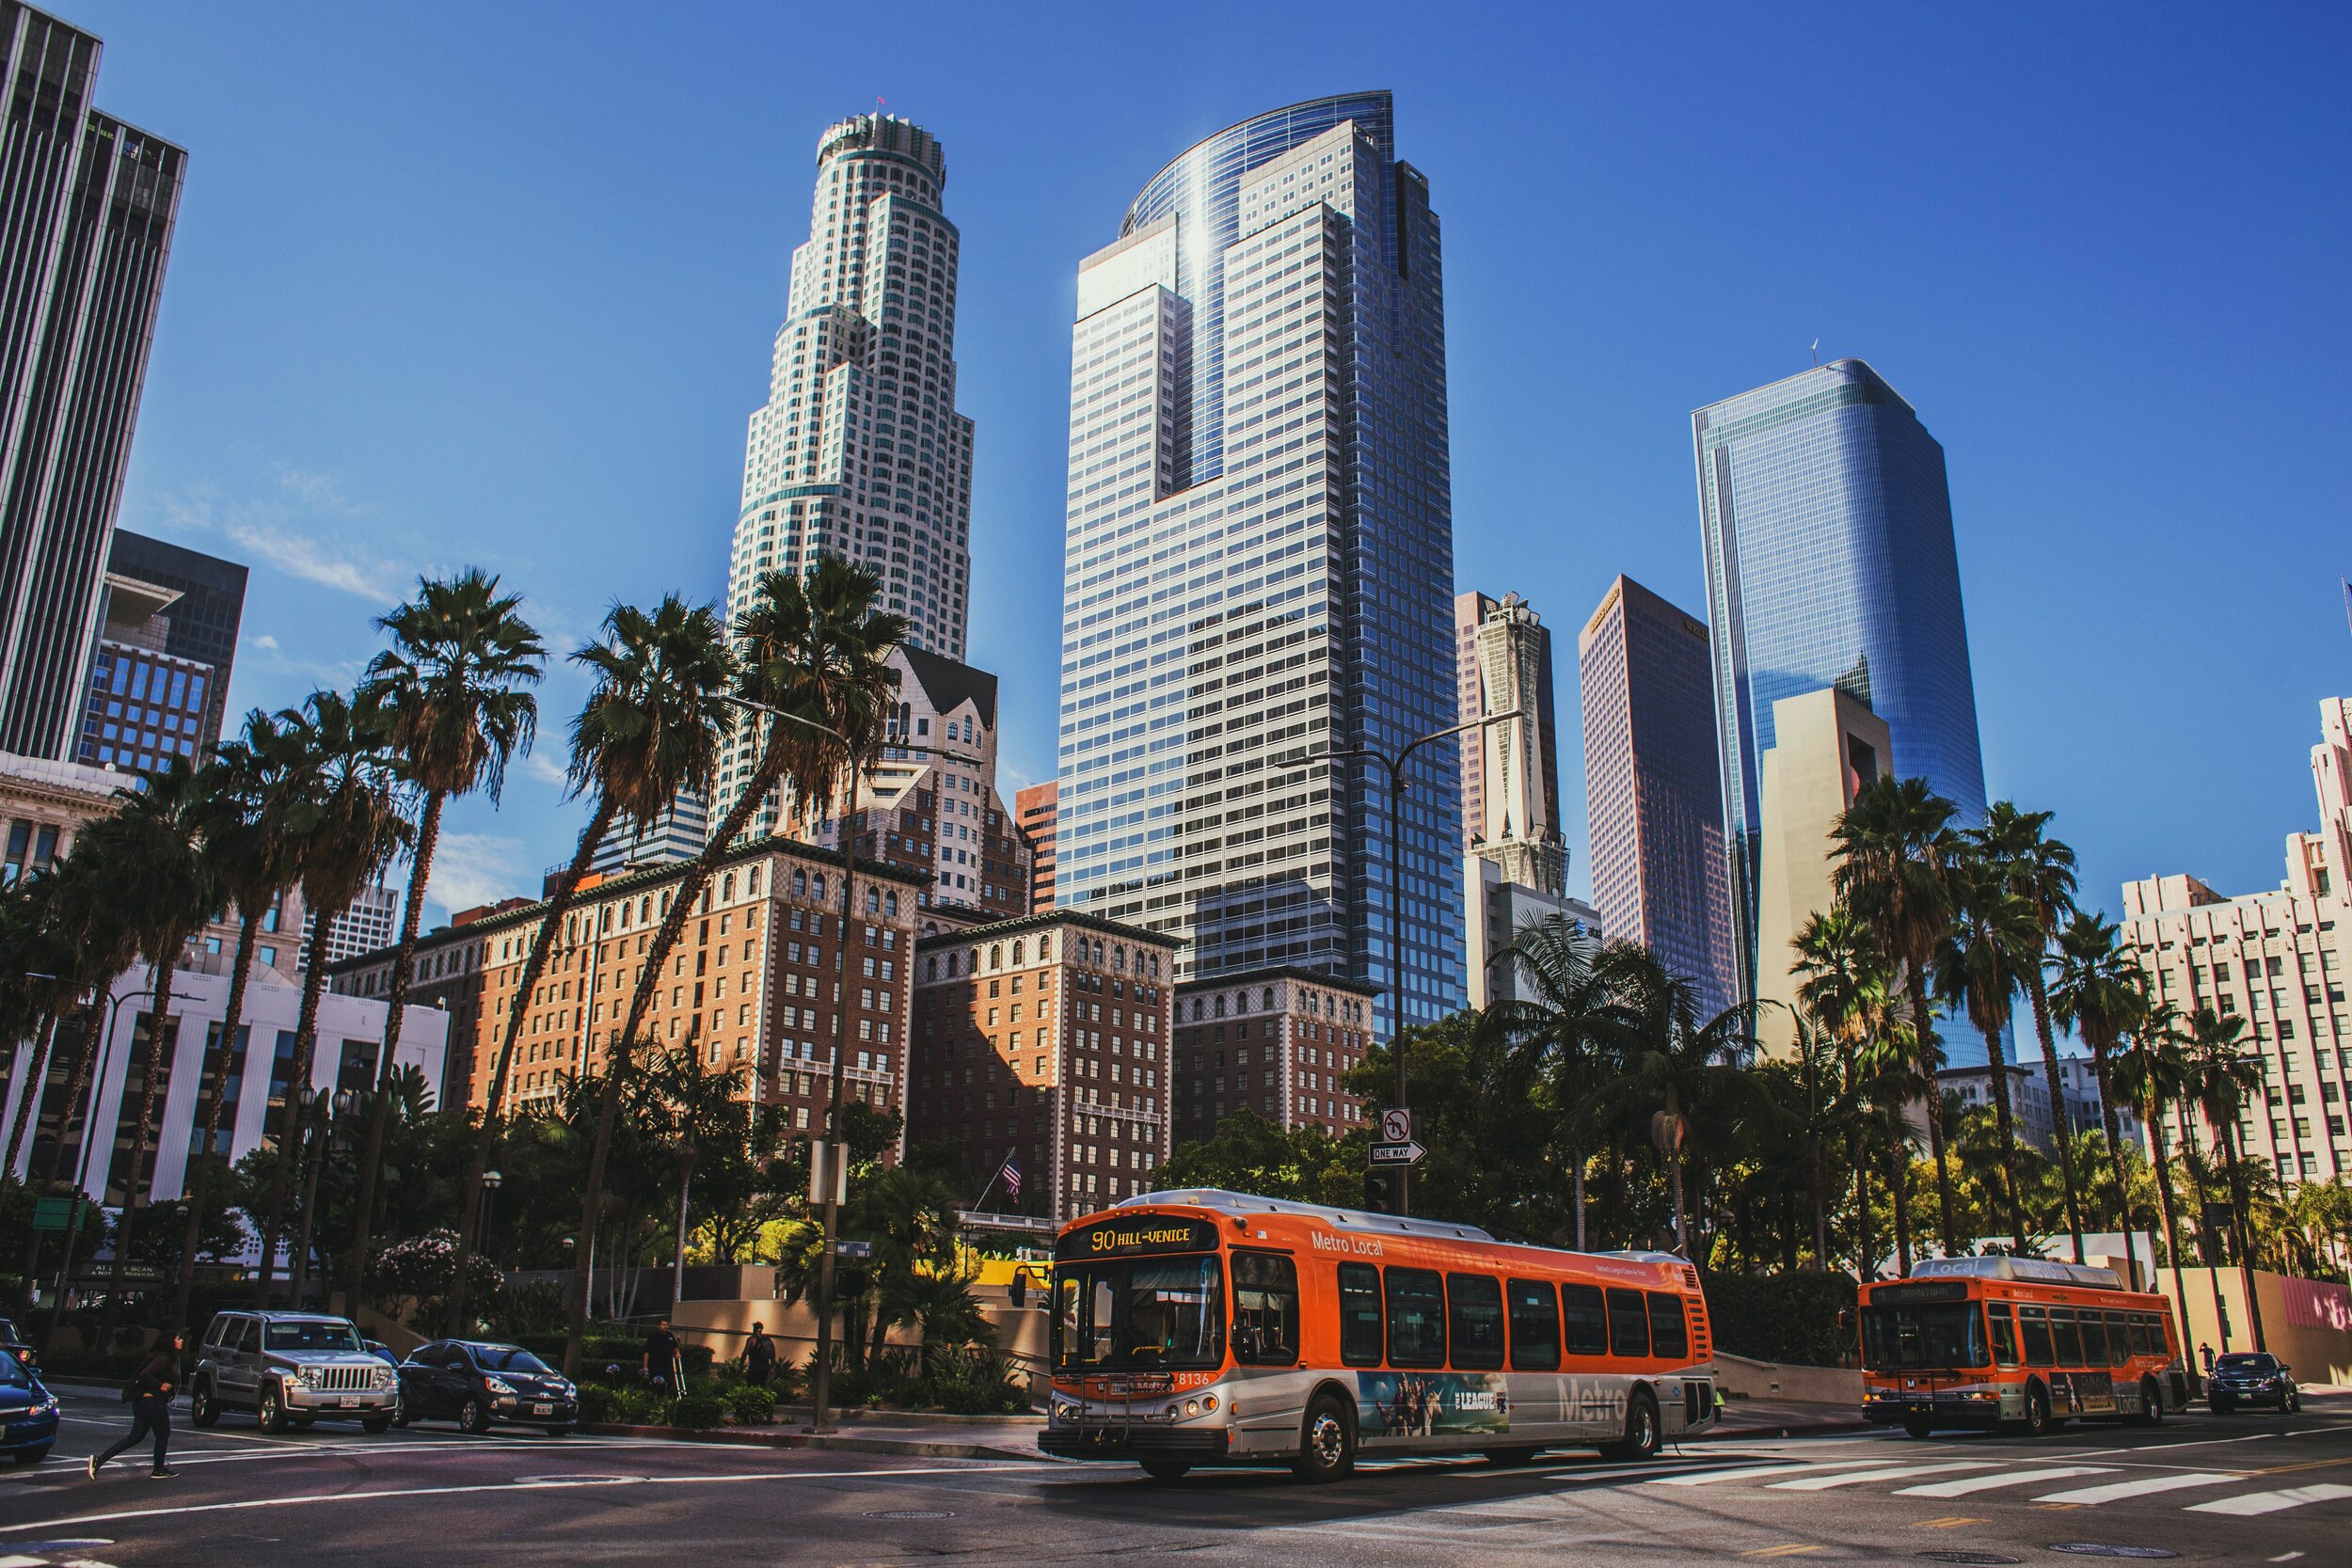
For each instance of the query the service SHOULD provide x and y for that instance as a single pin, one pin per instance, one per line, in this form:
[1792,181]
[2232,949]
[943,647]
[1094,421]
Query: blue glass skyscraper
[1259,567]
[1827,524]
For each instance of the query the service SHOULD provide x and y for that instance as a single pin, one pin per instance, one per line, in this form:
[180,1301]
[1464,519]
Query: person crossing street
[149,1394]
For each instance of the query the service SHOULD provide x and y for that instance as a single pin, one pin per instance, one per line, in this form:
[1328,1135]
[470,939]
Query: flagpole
[990,1188]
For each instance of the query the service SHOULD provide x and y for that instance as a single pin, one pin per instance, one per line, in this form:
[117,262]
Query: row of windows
[1475,1323]
[2068,1337]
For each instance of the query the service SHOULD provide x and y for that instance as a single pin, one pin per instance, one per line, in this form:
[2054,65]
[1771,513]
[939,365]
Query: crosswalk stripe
[1889,1472]
[1747,1472]
[2271,1502]
[2138,1488]
[1966,1485]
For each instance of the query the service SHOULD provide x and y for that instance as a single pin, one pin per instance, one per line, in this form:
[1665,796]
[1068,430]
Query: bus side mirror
[1845,1321]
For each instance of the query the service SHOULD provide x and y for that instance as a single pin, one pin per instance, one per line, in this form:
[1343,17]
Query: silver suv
[294,1367]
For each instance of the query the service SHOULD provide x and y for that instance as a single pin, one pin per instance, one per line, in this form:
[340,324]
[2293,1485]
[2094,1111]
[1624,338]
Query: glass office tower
[1827,525]
[1260,561]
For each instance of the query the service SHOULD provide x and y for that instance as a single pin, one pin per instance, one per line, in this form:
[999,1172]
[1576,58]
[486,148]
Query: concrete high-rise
[1258,565]
[1510,771]
[86,208]
[167,642]
[1827,525]
[1827,744]
[1653,791]
[859,452]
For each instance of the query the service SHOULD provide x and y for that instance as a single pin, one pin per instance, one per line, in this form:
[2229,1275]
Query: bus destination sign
[1916,1291]
[1135,1236]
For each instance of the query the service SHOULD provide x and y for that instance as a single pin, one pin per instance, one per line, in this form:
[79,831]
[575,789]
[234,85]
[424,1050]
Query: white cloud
[544,768]
[301,523]
[476,868]
[267,643]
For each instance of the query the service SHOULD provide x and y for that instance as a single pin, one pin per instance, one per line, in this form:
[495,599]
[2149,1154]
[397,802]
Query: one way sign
[1397,1154]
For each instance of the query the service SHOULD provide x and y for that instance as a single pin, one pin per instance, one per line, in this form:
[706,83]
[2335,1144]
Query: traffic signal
[1380,1191]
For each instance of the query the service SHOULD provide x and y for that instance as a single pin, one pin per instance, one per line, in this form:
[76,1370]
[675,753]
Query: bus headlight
[1192,1407]
[1208,1401]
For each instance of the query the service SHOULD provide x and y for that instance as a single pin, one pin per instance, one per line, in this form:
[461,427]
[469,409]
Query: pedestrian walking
[149,1395]
[759,1356]
[2206,1353]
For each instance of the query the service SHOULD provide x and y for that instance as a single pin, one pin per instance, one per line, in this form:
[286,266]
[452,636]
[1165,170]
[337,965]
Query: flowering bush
[425,1268]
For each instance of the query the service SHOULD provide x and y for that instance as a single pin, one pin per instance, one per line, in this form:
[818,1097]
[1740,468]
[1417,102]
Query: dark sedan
[2251,1377]
[479,1384]
[13,1343]
[29,1413]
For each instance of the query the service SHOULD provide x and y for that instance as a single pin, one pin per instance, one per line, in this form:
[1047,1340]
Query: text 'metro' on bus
[1208,1328]
[1990,1341]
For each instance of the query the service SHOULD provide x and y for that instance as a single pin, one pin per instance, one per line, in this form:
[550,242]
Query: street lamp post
[1396,765]
[491,1181]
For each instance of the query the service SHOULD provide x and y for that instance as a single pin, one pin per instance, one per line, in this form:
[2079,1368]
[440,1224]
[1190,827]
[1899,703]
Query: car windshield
[1947,1334]
[509,1358]
[9,1331]
[311,1336]
[2242,1362]
[14,1373]
[1150,1314]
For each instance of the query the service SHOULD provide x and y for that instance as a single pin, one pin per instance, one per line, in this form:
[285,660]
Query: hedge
[1790,1318]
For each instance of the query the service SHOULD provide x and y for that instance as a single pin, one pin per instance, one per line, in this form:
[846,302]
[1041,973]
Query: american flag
[1011,1175]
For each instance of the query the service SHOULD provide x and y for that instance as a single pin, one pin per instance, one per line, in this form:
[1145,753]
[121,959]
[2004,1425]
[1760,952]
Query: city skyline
[323,506]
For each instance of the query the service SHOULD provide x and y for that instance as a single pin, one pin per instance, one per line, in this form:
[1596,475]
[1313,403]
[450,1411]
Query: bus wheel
[1326,1443]
[2151,1403]
[1642,1433]
[1919,1428]
[1510,1456]
[1166,1469]
[2037,1410]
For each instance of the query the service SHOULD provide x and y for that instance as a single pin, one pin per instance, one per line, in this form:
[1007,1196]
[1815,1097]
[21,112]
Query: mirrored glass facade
[1827,525]
[1258,565]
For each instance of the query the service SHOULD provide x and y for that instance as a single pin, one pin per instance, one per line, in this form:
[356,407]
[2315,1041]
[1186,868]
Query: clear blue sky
[497,284]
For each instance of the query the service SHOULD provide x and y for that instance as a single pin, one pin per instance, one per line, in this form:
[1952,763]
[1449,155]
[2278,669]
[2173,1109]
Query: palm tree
[1565,1020]
[2102,993]
[252,859]
[653,725]
[2041,870]
[453,691]
[1845,988]
[2154,1074]
[1896,852]
[2224,1078]
[38,968]
[170,889]
[1996,941]
[813,660]
[344,826]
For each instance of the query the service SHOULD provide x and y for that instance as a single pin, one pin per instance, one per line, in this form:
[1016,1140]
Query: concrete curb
[906,1447]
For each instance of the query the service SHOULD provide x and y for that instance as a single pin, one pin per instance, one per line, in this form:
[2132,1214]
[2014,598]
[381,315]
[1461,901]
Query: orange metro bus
[1202,1327]
[1990,1343]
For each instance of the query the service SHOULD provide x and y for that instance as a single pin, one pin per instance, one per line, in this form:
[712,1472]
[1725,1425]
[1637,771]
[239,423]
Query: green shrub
[1790,1318]
[748,1406]
[638,1406]
[597,1403]
[698,1412]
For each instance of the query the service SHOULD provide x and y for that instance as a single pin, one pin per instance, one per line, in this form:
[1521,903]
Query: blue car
[29,1413]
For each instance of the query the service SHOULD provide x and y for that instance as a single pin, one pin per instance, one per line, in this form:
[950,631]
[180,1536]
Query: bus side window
[1265,1309]
[1669,1330]
[2033,1325]
[2094,1336]
[2119,1339]
[2004,1332]
[1359,1315]
[1628,1324]
[1474,1311]
[1587,1320]
[1535,1327]
[2066,1336]
[2143,1343]
[1416,1301]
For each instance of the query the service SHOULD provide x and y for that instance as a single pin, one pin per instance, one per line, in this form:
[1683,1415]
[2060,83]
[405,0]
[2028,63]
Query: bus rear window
[1474,1313]
[1535,1327]
[1669,1330]
[1416,1301]
[1586,1318]
[1359,1315]
[1628,1324]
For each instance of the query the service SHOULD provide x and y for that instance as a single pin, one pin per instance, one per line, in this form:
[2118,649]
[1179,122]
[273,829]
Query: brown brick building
[751,981]
[1045,1039]
[1278,1040]
[1039,808]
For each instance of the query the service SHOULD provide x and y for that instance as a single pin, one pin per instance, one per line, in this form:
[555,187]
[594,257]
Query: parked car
[29,1411]
[13,1343]
[291,1367]
[478,1385]
[2251,1377]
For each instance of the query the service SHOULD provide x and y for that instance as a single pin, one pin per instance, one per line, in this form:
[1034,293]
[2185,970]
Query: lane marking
[2284,1556]
[1890,1472]
[1792,1549]
[1953,1523]
[2140,1487]
[2208,1442]
[2272,1502]
[1750,1472]
[2007,1478]
[246,1504]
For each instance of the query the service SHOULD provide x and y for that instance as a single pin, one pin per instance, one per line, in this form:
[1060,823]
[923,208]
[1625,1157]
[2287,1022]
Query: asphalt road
[2242,1489]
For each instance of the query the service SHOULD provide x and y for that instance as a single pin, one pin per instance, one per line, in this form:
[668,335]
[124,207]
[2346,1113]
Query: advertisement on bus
[1431,1404]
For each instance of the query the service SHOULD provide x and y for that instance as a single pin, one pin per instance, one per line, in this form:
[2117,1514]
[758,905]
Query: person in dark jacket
[149,1394]
[759,1356]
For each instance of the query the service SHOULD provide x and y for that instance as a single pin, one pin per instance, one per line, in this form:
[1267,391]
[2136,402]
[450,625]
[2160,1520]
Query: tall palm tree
[1843,986]
[2154,1074]
[2101,993]
[2224,1078]
[653,724]
[1896,850]
[344,825]
[2041,870]
[813,660]
[1995,941]
[252,859]
[453,691]
[1565,1018]
[38,964]
[170,889]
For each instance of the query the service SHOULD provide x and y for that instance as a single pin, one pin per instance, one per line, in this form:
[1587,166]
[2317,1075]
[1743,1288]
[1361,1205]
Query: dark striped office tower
[87,205]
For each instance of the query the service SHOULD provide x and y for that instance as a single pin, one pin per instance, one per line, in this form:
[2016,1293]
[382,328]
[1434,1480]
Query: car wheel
[1326,1442]
[559,1432]
[2037,1410]
[2290,1402]
[269,1412]
[1919,1428]
[1510,1456]
[400,1415]
[473,1417]
[1166,1469]
[2220,1406]
[203,1408]
[1643,1434]
[2150,1403]
[31,1456]
[376,1425]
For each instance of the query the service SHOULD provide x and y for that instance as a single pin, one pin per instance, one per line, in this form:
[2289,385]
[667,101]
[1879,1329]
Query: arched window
[1119,959]
[665,904]
[1268,1003]
[1045,948]
[1220,1004]
[817,889]
[750,882]
[931,969]
[1016,953]
[873,900]
[800,884]
[726,888]
[996,956]
[890,903]
[1098,953]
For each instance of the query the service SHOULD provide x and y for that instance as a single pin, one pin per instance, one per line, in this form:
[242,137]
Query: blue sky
[497,285]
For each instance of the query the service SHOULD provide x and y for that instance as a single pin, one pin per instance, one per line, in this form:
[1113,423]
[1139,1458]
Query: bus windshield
[1939,1334]
[1147,1314]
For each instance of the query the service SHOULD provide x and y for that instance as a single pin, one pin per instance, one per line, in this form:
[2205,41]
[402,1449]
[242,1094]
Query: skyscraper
[1034,809]
[1827,525]
[85,216]
[1510,771]
[167,642]
[859,451]
[1653,792]
[1258,565]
